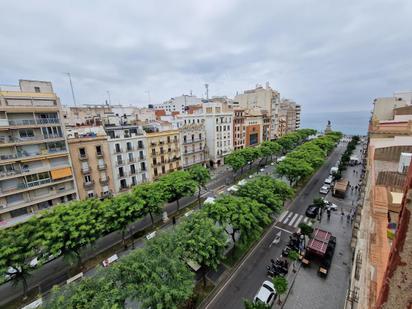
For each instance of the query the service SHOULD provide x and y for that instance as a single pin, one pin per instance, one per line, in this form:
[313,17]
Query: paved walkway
[308,290]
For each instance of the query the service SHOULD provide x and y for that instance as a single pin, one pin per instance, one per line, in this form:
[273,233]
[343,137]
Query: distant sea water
[351,123]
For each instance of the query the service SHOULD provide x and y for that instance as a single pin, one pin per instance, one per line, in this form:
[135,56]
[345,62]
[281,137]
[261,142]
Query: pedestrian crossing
[293,219]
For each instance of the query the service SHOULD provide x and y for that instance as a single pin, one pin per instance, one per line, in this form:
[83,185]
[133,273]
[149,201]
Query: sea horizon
[349,122]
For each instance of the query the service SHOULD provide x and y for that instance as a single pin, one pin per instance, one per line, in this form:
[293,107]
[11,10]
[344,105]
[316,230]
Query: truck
[320,250]
[333,170]
[340,188]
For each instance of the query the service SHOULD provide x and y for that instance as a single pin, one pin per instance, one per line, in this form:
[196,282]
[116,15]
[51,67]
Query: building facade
[178,104]
[288,117]
[219,131]
[193,139]
[239,129]
[35,166]
[128,152]
[164,153]
[91,162]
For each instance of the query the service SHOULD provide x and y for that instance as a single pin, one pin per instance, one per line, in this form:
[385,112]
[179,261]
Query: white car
[266,294]
[328,180]
[324,189]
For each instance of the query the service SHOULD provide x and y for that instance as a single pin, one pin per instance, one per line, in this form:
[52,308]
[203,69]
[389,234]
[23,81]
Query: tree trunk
[24,282]
[79,258]
[204,276]
[177,203]
[198,197]
[124,240]
[151,217]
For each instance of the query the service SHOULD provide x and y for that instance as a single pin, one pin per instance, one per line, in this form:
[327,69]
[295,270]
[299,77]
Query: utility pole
[207,91]
[71,86]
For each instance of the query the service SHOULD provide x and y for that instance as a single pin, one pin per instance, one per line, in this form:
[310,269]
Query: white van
[333,170]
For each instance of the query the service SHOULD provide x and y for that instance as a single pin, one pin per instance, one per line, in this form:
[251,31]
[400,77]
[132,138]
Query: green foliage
[294,169]
[249,304]
[268,191]
[201,176]
[101,291]
[176,185]
[235,161]
[305,229]
[293,255]
[318,201]
[281,285]
[150,196]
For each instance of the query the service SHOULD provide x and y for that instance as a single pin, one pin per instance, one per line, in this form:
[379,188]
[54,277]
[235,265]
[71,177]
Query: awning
[61,173]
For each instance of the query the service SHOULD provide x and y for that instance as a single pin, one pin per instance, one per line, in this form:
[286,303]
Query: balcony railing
[86,170]
[196,140]
[122,175]
[102,167]
[25,154]
[99,154]
[190,151]
[120,162]
[104,181]
[83,157]
[88,185]
[21,122]
[53,136]
[124,188]
[47,120]
[118,150]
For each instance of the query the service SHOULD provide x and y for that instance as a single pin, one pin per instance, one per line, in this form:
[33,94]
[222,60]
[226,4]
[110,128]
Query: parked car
[266,294]
[324,189]
[328,180]
[312,211]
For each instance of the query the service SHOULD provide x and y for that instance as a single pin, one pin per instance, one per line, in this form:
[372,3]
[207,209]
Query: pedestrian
[174,220]
[342,213]
[356,187]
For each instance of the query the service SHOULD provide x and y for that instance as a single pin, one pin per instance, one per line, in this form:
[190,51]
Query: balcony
[132,160]
[191,141]
[102,167]
[120,162]
[53,136]
[124,188]
[104,181]
[194,151]
[99,154]
[130,148]
[83,157]
[85,169]
[122,175]
[88,185]
[28,155]
[118,150]
[139,147]
[106,194]
[47,120]
[22,122]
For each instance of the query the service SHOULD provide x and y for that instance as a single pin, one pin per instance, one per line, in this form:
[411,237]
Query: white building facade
[128,150]
[178,104]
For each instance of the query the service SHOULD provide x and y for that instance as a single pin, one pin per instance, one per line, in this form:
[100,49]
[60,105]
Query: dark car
[312,211]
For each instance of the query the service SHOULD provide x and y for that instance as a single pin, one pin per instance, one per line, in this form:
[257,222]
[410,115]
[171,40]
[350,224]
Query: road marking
[283,215]
[298,221]
[279,228]
[293,219]
[287,218]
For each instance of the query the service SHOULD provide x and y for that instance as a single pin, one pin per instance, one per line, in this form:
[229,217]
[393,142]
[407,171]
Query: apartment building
[128,152]
[88,114]
[35,166]
[288,117]
[164,153]
[193,146]
[253,125]
[239,129]
[178,104]
[382,204]
[91,163]
[219,131]
[265,99]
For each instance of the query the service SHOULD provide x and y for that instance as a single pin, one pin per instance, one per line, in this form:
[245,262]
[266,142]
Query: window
[132,169]
[82,152]
[37,89]
[99,150]
[87,179]
[25,133]
[142,166]
[134,182]
[131,159]
[123,184]
[140,144]
[168,139]
[141,155]
[118,148]
[200,135]
[155,172]
[129,146]
[121,173]
[163,170]
[193,137]
[90,194]
[119,159]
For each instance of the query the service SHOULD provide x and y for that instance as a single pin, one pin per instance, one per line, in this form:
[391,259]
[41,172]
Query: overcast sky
[326,55]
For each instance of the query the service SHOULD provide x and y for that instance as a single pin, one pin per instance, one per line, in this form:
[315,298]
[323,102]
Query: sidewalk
[308,290]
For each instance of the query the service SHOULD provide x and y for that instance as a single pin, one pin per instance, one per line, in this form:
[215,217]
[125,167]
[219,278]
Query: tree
[281,286]
[265,152]
[305,229]
[249,304]
[17,249]
[157,276]
[69,227]
[152,198]
[261,189]
[235,161]
[283,190]
[121,211]
[293,256]
[202,241]
[294,169]
[318,201]
[177,185]
[201,176]
[237,217]
[99,291]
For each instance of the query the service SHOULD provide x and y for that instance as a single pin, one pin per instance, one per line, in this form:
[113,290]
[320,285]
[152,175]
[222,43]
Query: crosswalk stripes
[292,219]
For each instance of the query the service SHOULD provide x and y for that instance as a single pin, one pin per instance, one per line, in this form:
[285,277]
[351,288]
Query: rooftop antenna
[207,91]
[71,86]
[108,94]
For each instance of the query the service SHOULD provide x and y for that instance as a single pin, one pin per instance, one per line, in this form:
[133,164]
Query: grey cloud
[324,54]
